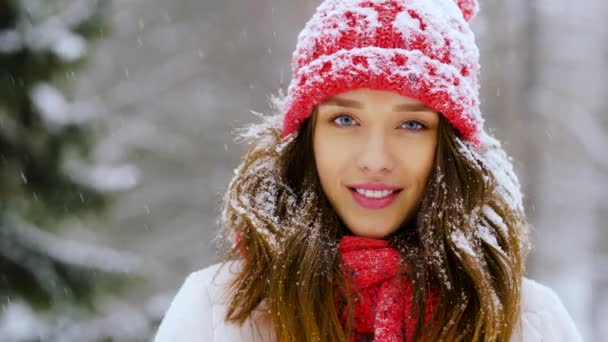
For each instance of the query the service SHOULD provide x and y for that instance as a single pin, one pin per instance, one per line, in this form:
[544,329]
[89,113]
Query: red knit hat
[422,49]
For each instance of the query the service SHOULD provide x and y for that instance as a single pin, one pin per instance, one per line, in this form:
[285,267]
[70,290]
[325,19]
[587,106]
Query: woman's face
[374,152]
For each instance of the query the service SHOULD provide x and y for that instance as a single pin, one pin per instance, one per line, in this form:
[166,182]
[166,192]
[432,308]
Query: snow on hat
[423,49]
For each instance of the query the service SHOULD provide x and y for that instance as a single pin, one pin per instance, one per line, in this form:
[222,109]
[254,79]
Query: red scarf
[384,299]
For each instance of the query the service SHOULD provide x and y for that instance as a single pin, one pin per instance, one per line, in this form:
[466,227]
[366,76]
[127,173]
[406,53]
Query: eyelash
[334,118]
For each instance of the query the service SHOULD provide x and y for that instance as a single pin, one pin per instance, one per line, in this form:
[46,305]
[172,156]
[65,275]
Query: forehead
[361,97]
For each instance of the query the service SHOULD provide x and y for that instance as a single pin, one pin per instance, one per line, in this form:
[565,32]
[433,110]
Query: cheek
[326,165]
[418,163]
[331,158]
[426,164]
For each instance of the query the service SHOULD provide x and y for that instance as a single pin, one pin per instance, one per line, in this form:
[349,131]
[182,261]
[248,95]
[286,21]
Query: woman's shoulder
[543,315]
[214,280]
[190,314]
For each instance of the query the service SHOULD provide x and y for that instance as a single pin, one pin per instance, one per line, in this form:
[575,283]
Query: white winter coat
[197,314]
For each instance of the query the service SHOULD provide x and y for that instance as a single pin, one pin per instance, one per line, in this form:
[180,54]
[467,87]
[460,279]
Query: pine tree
[48,285]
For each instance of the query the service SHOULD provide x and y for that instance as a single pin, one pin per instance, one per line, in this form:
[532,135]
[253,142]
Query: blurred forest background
[116,147]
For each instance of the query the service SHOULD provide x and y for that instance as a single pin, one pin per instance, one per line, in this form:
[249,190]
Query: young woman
[373,206]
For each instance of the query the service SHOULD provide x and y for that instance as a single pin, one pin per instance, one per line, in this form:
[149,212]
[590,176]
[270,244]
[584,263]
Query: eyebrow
[418,107]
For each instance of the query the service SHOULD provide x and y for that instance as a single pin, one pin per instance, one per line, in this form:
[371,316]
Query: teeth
[374,193]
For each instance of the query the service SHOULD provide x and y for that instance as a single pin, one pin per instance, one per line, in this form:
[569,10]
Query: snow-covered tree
[50,286]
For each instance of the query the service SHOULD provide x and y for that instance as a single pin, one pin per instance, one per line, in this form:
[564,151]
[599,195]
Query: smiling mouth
[375,193]
[374,199]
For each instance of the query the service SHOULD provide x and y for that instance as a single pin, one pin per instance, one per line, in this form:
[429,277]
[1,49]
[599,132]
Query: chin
[370,233]
[376,236]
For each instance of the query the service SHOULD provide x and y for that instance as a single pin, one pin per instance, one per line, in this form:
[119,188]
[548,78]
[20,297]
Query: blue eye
[344,120]
[413,125]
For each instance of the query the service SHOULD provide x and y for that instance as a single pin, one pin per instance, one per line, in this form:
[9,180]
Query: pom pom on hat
[469,8]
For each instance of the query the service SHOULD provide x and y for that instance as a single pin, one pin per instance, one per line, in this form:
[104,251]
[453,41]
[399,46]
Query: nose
[375,157]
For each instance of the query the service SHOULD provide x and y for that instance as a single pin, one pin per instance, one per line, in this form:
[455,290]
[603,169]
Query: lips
[374,196]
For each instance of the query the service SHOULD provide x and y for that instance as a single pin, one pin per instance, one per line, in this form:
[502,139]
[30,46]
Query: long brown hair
[468,239]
